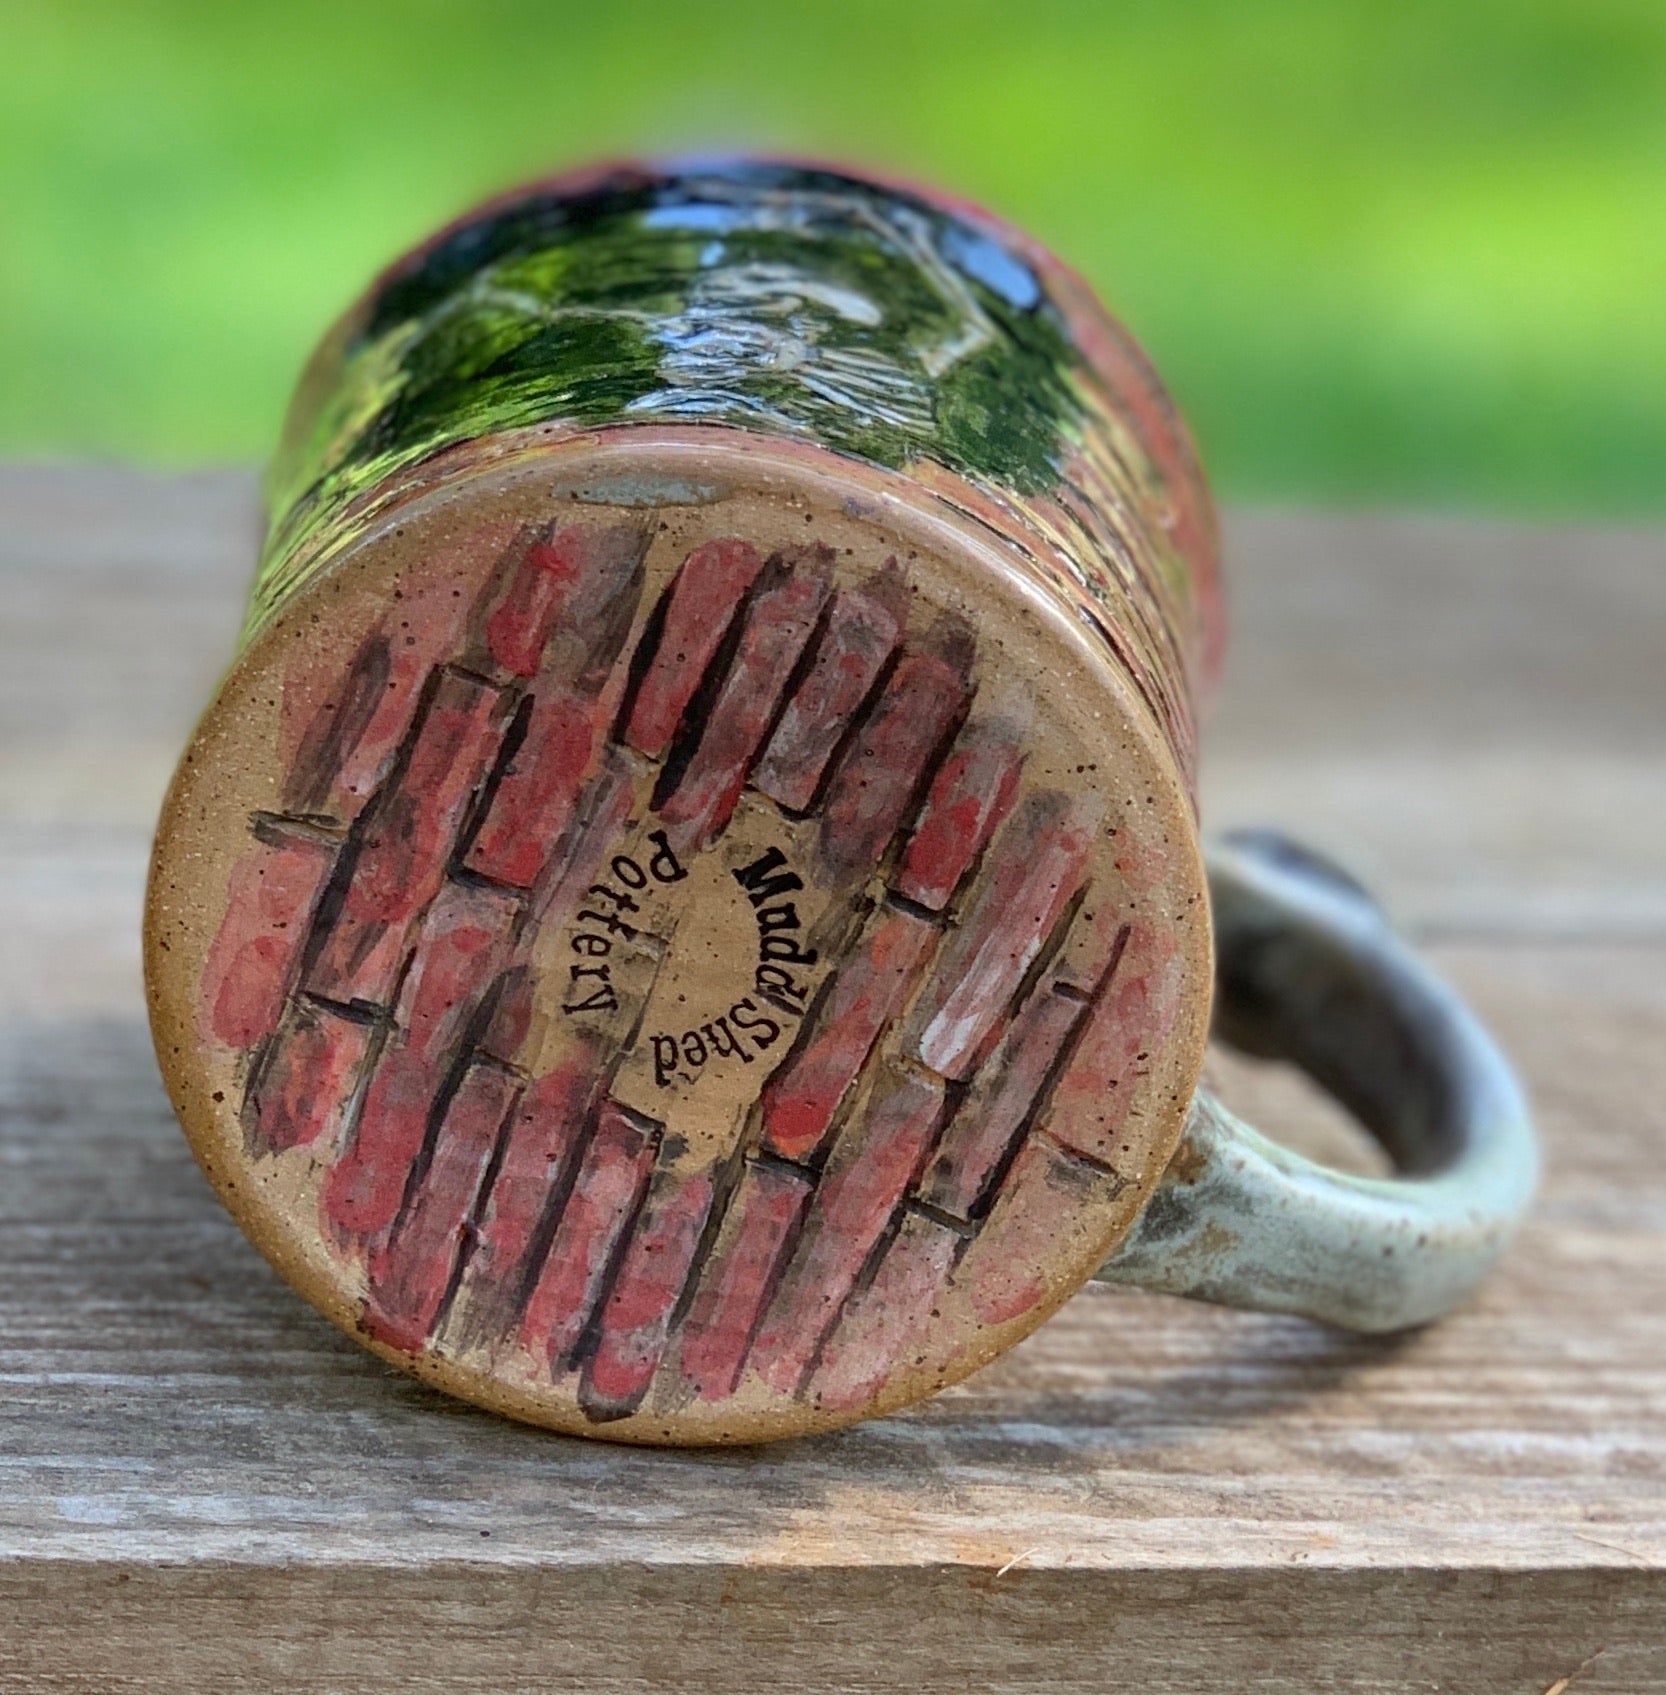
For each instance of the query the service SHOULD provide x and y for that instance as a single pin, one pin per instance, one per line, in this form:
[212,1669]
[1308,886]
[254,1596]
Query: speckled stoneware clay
[685,920]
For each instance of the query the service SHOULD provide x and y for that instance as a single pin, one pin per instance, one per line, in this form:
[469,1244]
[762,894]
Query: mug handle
[1308,969]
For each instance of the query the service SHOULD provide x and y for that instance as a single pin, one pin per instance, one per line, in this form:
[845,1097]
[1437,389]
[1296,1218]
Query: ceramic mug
[685,920]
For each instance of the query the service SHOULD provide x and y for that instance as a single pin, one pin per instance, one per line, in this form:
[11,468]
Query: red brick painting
[939,1037]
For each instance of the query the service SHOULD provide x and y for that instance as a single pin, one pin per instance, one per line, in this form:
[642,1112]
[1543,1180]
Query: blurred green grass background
[1387,253]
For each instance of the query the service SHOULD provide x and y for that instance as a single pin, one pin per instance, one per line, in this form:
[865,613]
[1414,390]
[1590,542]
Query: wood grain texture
[204,1485]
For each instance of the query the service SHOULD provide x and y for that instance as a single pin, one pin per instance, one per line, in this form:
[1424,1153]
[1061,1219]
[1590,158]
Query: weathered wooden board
[202,1485]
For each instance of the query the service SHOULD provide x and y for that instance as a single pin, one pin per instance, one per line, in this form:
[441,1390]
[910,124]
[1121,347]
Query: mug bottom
[679,936]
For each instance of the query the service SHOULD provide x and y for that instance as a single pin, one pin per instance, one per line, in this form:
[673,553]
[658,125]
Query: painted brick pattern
[302,1086]
[541,1147]
[1004,1268]
[411,1277]
[701,606]
[762,1220]
[778,626]
[868,989]
[886,1323]
[635,1321]
[460,949]
[341,745]
[606,1193]
[399,863]
[1040,868]
[252,962]
[878,1156]
[871,792]
[861,634]
[970,797]
[561,602]
[564,629]
[1000,1106]
[538,792]
[1098,1090]
[963,1073]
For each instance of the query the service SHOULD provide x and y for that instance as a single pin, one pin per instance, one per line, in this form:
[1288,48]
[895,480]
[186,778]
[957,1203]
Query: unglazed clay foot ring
[1309,970]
